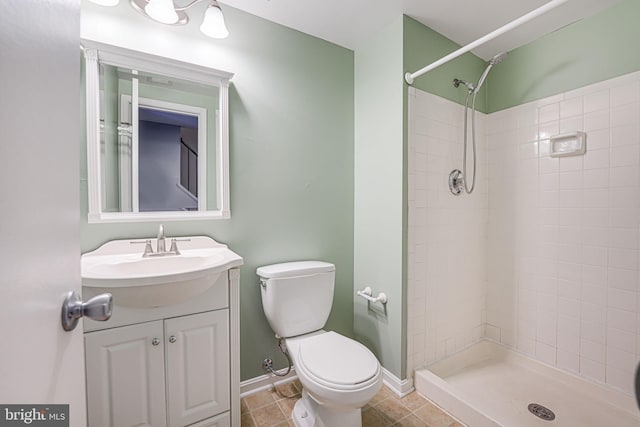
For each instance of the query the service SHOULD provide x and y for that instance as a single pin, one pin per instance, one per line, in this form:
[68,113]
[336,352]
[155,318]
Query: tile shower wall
[546,260]
[447,234]
[563,232]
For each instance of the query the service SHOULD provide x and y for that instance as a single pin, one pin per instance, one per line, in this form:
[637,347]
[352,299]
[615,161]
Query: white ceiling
[350,22]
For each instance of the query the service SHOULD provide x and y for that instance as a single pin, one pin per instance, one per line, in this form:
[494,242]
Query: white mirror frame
[94,53]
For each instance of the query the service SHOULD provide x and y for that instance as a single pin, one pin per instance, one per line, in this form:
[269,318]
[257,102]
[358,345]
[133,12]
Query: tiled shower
[447,237]
[543,256]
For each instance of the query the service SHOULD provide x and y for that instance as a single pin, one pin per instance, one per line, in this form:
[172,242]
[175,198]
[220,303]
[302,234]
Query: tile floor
[272,408]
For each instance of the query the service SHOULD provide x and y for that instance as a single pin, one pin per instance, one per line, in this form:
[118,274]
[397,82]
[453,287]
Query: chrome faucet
[161,247]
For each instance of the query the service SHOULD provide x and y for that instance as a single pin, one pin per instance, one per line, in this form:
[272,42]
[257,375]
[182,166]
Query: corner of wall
[422,46]
[378,199]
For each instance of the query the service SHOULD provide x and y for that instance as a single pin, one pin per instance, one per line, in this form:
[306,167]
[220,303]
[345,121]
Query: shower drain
[541,412]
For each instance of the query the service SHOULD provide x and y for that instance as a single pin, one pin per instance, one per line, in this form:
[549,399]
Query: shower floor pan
[488,385]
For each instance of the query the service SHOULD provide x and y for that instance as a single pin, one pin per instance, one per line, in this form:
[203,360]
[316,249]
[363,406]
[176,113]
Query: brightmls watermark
[34,415]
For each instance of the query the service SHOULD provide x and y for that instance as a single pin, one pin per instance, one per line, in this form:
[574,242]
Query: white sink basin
[118,267]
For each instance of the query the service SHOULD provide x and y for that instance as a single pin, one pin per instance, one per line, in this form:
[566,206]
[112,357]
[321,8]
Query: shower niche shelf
[568,144]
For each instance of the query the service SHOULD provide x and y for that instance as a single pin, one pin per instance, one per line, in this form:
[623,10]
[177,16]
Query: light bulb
[162,11]
[213,23]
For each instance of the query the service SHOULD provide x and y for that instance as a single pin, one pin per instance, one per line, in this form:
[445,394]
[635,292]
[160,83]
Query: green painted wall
[594,49]
[379,205]
[292,154]
[380,222]
[422,46]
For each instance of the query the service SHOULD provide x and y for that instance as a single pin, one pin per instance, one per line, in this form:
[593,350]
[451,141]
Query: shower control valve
[456,182]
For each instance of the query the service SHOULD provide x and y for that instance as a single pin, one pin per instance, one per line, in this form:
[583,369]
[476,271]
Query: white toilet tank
[297,296]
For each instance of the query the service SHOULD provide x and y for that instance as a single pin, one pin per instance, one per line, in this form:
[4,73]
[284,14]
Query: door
[125,376]
[40,363]
[197,366]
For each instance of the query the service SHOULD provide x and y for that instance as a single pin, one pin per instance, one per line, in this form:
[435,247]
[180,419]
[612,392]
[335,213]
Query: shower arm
[410,77]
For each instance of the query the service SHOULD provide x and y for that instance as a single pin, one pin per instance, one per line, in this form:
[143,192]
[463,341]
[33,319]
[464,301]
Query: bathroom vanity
[169,354]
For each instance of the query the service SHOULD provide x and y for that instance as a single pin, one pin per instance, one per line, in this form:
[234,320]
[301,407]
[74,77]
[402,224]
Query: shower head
[495,60]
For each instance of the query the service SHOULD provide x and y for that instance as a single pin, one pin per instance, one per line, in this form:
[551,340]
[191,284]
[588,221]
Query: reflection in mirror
[168,154]
[175,128]
[161,152]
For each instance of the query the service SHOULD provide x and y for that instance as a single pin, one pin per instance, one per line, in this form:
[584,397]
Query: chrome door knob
[155,341]
[172,339]
[99,308]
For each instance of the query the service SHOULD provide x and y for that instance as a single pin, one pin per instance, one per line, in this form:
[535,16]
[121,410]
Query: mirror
[157,137]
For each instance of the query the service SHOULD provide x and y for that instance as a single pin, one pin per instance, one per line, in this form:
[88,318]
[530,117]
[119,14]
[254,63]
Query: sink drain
[541,412]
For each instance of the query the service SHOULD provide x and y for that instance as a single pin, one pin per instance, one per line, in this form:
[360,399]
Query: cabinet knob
[155,341]
[172,339]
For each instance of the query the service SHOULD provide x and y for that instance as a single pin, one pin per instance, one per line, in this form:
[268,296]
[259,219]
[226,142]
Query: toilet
[339,375]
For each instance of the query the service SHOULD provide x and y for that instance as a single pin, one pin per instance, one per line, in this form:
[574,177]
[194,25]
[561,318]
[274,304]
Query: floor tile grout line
[387,419]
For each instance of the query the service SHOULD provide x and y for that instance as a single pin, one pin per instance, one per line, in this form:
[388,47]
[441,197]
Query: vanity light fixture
[162,11]
[213,22]
[166,12]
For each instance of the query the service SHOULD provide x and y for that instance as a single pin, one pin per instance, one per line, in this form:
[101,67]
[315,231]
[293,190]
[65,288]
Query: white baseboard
[398,386]
[265,382]
[268,381]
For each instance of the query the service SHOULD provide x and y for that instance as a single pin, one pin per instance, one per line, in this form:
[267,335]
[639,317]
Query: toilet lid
[337,359]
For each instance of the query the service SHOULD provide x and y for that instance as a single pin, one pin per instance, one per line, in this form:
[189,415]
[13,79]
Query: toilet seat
[337,362]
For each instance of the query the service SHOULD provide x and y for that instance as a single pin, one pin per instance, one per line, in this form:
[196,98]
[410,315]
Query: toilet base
[308,413]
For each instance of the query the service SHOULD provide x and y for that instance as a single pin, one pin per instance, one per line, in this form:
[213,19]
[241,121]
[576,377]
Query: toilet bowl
[339,375]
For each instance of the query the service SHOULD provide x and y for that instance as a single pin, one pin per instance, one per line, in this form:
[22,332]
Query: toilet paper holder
[367,294]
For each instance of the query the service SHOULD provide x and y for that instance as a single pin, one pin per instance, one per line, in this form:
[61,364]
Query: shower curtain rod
[409,77]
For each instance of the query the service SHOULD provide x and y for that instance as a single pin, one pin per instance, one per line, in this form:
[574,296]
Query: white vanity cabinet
[132,366]
[168,366]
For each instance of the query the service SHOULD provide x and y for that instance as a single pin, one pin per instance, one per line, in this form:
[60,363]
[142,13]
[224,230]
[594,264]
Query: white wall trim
[398,386]
[265,382]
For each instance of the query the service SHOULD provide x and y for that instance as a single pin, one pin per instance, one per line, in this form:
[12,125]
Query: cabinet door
[197,366]
[125,376]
